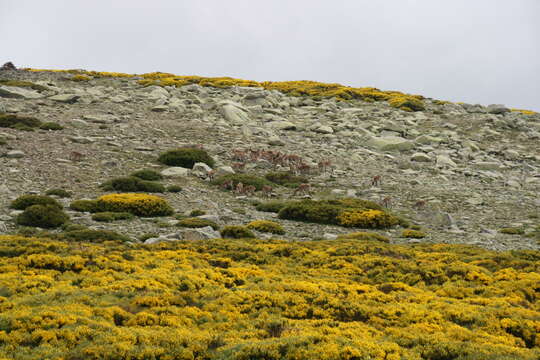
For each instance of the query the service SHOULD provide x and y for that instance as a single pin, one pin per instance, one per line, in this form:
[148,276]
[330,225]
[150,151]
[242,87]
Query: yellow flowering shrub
[524,112]
[266,299]
[407,103]
[361,235]
[80,77]
[267,226]
[369,219]
[135,203]
[415,234]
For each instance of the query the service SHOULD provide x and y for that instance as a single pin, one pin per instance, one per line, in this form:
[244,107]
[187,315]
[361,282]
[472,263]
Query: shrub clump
[236,232]
[370,219]
[84,206]
[108,216]
[197,212]
[147,174]
[174,188]
[58,192]
[43,216]
[185,157]
[407,103]
[25,201]
[23,84]
[18,122]
[512,231]
[413,234]
[132,184]
[95,236]
[51,126]
[266,226]
[286,179]
[194,222]
[361,235]
[246,179]
[137,204]
[271,206]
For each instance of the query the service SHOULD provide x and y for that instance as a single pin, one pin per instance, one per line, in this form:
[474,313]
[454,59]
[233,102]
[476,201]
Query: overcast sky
[476,51]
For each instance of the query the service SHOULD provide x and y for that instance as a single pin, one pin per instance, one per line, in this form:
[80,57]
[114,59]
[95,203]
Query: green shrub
[25,201]
[271,206]
[94,236]
[84,206]
[311,211]
[185,157]
[174,188]
[512,231]
[51,126]
[132,184]
[73,227]
[413,234]
[286,179]
[108,216]
[25,84]
[360,235]
[44,216]
[197,212]
[245,179]
[266,226]
[3,141]
[194,222]
[12,121]
[22,127]
[58,192]
[147,174]
[236,232]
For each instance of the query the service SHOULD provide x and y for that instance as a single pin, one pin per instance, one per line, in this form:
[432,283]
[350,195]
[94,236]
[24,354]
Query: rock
[224,170]
[160,108]
[324,129]
[201,169]
[19,93]
[101,119]
[282,125]
[6,136]
[174,172]
[420,157]
[234,113]
[119,99]
[15,154]
[255,98]
[487,165]
[275,141]
[351,193]
[337,192]
[390,143]
[82,140]
[328,236]
[155,240]
[3,227]
[497,109]
[427,140]
[445,161]
[203,233]
[79,124]
[65,98]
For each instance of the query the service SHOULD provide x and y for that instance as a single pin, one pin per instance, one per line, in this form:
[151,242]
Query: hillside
[380,225]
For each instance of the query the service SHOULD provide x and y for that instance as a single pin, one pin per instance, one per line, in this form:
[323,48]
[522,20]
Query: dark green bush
[73,227]
[132,184]
[12,120]
[147,174]
[286,179]
[197,212]
[174,188]
[108,216]
[51,126]
[58,192]
[93,236]
[236,232]
[44,216]
[194,222]
[185,157]
[24,201]
[245,179]
[84,205]
[271,206]
[22,127]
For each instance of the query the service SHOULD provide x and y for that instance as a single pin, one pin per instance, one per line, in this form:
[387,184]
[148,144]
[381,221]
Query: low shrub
[512,231]
[413,234]
[369,219]
[322,212]
[80,78]
[174,188]
[194,222]
[24,201]
[43,216]
[197,212]
[137,204]
[236,232]
[94,236]
[12,121]
[147,174]
[271,206]
[24,84]
[111,216]
[73,227]
[132,184]
[84,206]
[185,157]
[246,179]
[58,192]
[266,226]
[286,179]
[360,235]
[51,126]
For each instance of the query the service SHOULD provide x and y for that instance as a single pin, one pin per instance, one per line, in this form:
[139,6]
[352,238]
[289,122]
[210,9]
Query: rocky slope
[460,171]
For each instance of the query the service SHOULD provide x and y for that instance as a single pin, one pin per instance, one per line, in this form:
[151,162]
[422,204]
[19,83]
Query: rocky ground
[475,168]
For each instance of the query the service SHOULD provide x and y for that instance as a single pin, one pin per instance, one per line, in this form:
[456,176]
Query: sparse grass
[58,192]
[286,179]
[194,222]
[111,216]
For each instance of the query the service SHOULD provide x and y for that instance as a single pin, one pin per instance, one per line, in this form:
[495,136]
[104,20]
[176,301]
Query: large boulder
[174,172]
[234,113]
[19,93]
[497,109]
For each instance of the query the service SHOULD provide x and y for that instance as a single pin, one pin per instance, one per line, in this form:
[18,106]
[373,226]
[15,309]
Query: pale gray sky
[476,51]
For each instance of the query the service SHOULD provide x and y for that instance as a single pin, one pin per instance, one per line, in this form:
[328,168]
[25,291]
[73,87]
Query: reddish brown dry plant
[76,156]
[376,180]
[302,189]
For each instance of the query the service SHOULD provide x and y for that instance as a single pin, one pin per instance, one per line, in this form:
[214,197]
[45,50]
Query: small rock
[79,124]
[420,157]
[224,170]
[203,233]
[174,172]
[81,140]
[160,108]
[324,129]
[445,161]
[390,143]
[282,125]
[328,236]
[275,141]
[15,154]
[201,169]
[487,165]
[214,218]
[65,98]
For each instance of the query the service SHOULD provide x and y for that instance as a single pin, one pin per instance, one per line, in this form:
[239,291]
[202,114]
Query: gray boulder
[390,143]
[234,113]
[18,93]
[497,109]
[174,172]
[65,98]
